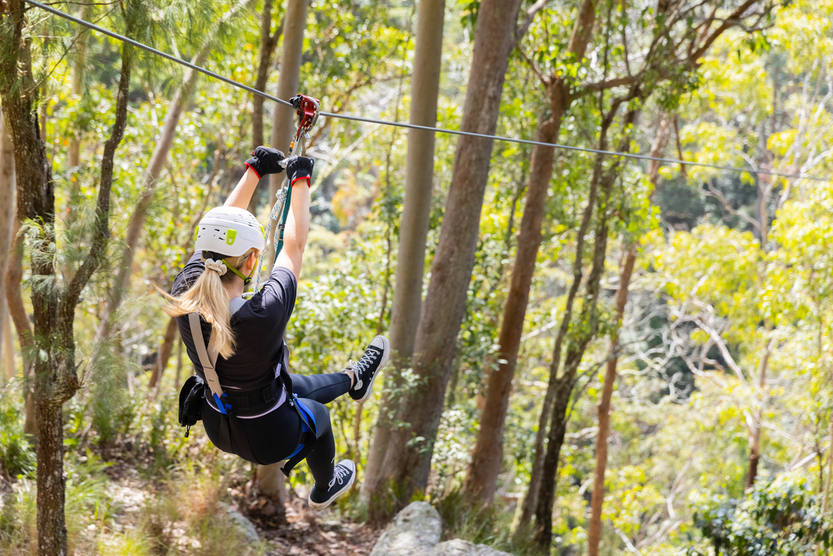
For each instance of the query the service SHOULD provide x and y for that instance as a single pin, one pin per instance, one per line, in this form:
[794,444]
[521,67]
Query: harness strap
[208,360]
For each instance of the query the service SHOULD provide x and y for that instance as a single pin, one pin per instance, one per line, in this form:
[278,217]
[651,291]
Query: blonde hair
[209,298]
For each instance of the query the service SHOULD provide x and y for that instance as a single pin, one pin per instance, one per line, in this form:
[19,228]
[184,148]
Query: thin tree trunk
[756,424]
[150,180]
[53,305]
[8,352]
[283,118]
[531,499]
[79,68]
[595,532]
[163,355]
[825,505]
[7,217]
[416,214]
[407,462]
[17,310]
[271,483]
[588,327]
[178,377]
[487,456]
[268,42]
[295,22]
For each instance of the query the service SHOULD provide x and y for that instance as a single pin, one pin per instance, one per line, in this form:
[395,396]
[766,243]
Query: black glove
[266,161]
[299,168]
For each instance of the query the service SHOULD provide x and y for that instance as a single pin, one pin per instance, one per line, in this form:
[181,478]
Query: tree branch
[101,232]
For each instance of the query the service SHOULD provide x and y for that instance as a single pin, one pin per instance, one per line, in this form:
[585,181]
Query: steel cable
[670,161]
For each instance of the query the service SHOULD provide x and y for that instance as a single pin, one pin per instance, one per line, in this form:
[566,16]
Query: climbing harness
[307,109]
[240,403]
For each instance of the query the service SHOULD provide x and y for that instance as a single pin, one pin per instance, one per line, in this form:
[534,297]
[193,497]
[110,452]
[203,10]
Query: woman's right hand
[299,168]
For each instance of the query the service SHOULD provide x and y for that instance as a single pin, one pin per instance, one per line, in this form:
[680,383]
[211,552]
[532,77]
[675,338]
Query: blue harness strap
[304,411]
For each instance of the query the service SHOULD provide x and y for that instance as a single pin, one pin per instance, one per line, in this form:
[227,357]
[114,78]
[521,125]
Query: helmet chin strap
[246,279]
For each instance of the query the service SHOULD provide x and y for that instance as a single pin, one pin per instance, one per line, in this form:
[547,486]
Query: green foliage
[778,518]
[17,457]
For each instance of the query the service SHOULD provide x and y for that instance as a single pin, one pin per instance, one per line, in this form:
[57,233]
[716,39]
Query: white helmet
[229,231]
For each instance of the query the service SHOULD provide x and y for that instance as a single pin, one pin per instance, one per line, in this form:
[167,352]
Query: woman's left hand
[265,161]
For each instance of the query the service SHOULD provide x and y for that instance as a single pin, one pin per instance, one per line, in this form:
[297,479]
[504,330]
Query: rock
[414,532]
[244,525]
[459,547]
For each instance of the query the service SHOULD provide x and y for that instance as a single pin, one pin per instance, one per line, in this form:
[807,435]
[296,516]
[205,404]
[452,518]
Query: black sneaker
[344,474]
[367,369]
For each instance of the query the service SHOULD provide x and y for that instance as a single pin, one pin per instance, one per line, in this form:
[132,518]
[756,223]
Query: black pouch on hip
[190,402]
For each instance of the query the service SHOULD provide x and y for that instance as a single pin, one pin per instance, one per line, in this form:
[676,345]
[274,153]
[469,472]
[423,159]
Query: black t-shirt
[258,327]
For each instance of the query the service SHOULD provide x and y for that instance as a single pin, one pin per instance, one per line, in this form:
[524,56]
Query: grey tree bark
[150,180]
[270,478]
[413,227]
[283,118]
[7,217]
[268,42]
[79,68]
[53,303]
[407,462]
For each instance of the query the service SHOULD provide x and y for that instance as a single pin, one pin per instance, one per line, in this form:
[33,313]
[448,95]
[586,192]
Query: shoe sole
[382,363]
[322,505]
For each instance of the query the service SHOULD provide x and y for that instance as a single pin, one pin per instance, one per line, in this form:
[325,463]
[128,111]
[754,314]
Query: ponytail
[209,298]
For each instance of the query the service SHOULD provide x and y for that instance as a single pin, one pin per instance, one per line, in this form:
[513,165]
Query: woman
[257,415]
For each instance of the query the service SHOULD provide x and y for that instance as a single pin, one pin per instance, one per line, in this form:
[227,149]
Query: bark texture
[283,121]
[158,159]
[53,305]
[487,456]
[408,459]
[416,214]
[164,355]
[7,217]
[268,42]
[595,532]
[295,22]
[79,69]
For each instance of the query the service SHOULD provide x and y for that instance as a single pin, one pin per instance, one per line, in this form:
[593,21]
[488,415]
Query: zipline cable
[671,161]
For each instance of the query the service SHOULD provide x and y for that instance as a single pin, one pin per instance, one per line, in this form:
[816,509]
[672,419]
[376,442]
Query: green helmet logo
[231,235]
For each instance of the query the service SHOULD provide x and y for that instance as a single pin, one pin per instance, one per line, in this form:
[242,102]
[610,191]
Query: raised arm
[264,161]
[297,221]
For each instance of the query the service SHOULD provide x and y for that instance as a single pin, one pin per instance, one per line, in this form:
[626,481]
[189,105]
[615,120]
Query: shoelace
[339,474]
[367,359]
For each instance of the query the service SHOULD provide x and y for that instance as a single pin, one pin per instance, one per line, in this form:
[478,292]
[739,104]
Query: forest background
[613,356]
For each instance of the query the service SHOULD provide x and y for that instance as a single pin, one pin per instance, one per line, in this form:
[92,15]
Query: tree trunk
[295,22]
[487,456]
[595,533]
[17,310]
[565,383]
[283,119]
[268,42]
[79,68]
[8,351]
[52,529]
[407,462]
[271,483]
[7,217]
[163,356]
[416,214]
[757,421]
[150,180]
[53,305]
[586,331]
[531,499]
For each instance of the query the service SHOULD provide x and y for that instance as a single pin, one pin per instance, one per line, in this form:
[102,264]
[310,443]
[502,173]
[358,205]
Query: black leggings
[274,436]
